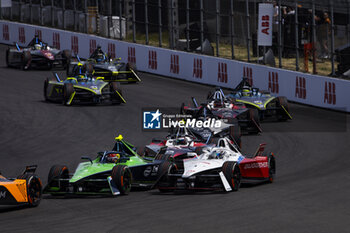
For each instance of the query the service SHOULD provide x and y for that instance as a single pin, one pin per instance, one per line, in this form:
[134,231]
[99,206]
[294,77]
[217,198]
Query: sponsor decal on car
[255,165]
[3,194]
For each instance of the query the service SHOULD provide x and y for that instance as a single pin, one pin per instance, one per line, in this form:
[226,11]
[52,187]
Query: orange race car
[26,189]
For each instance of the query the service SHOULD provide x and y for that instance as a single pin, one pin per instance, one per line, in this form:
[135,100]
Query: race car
[263,101]
[112,172]
[222,167]
[25,189]
[180,141]
[82,89]
[101,65]
[37,55]
[220,107]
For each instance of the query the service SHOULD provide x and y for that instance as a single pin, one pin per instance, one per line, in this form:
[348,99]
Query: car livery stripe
[251,103]
[71,99]
[121,96]
[287,112]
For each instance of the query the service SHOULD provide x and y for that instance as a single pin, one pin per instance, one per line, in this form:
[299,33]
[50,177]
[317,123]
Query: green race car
[111,172]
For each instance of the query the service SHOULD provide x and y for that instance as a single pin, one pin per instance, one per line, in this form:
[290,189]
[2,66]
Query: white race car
[222,167]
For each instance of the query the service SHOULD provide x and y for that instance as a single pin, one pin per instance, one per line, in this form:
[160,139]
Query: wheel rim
[126,180]
[236,178]
[34,191]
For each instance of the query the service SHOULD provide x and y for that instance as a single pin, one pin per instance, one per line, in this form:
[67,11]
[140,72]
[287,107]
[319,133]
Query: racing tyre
[122,177]
[253,117]
[34,189]
[117,94]
[26,58]
[235,135]
[56,173]
[282,103]
[68,91]
[272,167]
[232,174]
[165,184]
[164,157]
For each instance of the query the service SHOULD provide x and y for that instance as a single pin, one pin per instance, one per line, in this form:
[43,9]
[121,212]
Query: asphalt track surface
[311,192]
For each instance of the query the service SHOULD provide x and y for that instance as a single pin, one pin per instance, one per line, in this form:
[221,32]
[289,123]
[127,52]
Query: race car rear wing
[30,169]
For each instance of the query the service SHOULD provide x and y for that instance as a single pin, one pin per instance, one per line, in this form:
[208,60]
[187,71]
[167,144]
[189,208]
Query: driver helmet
[37,46]
[181,141]
[100,57]
[217,104]
[246,91]
[112,158]
[82,77]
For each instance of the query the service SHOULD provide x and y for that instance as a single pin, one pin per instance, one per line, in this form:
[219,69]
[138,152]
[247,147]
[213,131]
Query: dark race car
[25,189]
[263,101]
[189,139]
[82,89]
[101,65]
[112,172]
[37,55]
[220,107]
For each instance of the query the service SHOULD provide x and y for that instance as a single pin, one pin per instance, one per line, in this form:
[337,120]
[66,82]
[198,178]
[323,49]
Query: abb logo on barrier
[152,60]
[111,50]
[248,73]
[75,44]
[273,82]
[38,34]
[131,55]
[197,68]
[222,72]
[265,24]
[330,95]
[300,87]
[92,45]
[5,32]
[174,64]
[21,35]
[56,40]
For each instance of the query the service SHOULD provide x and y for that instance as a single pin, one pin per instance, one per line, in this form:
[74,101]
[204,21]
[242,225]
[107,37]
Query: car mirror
[88,158]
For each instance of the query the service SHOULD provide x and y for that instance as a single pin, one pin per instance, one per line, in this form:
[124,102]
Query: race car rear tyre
[115,98]
[68,91]
[282,103]
[122,177]
[272,167]
[235,135]
[232,174]
[165,184]
[164,157]
[253,117]
[34,189]
[56,173]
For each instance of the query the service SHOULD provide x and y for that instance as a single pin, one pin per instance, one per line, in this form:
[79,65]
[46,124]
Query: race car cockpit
[98,55]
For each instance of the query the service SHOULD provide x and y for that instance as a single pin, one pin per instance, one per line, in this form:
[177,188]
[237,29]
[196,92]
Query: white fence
[309,89]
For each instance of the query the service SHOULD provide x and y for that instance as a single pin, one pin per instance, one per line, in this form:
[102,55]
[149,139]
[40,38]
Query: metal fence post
[248,29]
[146,21]
[41,19]
[109,19]
[63,12]
[0,11]
[202,24]
[86,16]
[30,12]
[296,37]
[160,22]
[279,34]
[313,38]
[332,37]
[188,25]
[232,31]
[52,14]
[120,20]
[171,24]
[217,27]
[133,22]
[74,14]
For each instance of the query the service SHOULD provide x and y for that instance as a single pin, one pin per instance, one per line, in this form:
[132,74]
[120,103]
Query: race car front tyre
[68,91]
[282,113]
[272,167]
[117,94]
[165,185]
[121,175]
[34,189]
[58,178]
[232,174]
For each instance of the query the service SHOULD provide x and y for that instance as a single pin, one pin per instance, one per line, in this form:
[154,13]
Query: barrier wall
[299,87]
